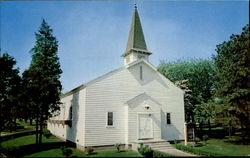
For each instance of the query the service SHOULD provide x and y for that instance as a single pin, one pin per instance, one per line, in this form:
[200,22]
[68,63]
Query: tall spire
[136,39]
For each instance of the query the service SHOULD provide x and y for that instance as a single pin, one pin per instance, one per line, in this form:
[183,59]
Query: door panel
[145,126]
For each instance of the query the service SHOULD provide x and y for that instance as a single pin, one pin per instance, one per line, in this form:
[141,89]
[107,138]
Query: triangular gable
[142,96]
[114,71]
[153,68]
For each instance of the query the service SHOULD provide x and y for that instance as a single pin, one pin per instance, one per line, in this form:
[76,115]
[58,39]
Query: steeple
[136,45]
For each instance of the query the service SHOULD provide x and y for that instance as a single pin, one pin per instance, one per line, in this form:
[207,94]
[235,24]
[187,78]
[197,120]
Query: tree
[43,77]
[187,98]
[9,90]
[204,113]
[233,79]
[200,80]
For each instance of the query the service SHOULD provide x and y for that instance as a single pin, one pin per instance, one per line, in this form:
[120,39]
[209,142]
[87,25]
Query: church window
[71,113]
[110,119]
[141,73]
[168,118]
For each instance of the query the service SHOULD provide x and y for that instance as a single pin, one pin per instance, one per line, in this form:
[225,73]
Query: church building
[132,103]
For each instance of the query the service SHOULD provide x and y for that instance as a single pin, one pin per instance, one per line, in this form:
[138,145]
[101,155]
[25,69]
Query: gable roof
[115,71]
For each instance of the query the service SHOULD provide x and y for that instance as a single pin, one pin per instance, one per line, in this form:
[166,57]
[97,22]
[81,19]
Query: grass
[221,147]
[4,133]
[76,153]
[26,125]
[25,146]
[26,140]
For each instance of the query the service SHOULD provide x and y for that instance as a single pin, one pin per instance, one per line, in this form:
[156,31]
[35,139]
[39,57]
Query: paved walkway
[166,147]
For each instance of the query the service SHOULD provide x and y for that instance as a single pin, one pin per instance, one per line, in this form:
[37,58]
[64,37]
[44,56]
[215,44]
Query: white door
[145,126]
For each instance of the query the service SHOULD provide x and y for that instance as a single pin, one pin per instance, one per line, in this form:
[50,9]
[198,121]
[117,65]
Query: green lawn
[26,140]
[223,147]
[27,127]
[98,153]
[55,151]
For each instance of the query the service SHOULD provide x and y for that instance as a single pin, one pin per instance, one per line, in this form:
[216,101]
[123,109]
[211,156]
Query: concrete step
[160,145]
[162,148]
[164,142]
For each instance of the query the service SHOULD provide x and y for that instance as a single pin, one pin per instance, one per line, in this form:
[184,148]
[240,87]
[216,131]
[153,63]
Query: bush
[66,151]
[89,150]
[145,151]
[205,137]
[47,134]
[118,147]
[197,139]
[195,150]
[161,154]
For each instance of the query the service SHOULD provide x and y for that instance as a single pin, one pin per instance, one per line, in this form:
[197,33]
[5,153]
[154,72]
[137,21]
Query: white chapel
[132,103]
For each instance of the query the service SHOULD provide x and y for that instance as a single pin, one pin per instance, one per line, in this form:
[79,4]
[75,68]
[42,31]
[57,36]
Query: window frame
[168,118]
[107,119]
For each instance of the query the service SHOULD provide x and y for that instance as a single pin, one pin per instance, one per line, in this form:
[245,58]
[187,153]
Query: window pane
[71,113]
[110,118]
[168,118]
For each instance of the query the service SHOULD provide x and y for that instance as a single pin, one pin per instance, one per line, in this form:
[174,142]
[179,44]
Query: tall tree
[199,75]
[43,76]
[233,78]
[9,88]
[187,98]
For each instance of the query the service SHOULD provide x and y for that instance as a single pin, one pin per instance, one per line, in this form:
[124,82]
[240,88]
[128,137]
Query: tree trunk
[37,128]
[201,126]
[15,124]
[230,131]
[31,121]
[41,130]
[209,125]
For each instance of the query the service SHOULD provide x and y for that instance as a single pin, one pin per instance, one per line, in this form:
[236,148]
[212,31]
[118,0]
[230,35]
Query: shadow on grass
[238,142]
[33,148]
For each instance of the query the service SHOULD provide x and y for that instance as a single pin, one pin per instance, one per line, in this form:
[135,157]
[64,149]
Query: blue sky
[92,35]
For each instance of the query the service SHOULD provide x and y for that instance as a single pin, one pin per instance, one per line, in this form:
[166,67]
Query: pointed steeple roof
[136,39]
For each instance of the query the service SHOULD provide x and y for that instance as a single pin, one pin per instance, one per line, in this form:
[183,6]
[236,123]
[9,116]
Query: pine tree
[233,79]
[43,76]
[9,90]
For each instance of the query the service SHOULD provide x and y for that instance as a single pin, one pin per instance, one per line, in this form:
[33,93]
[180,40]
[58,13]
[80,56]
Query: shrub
[118,147]
[145,151]
[66,151]
[161,154]
[89,150]
[205,137]
[197,139]
[195,150]
[47,133]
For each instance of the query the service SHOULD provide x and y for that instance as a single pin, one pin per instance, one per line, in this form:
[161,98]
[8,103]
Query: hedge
[195,150]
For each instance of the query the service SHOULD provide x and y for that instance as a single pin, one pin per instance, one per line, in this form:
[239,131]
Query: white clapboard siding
[76,132]
[112,93]
[125,94]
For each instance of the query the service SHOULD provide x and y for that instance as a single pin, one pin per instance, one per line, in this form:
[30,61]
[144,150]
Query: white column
[185,133]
